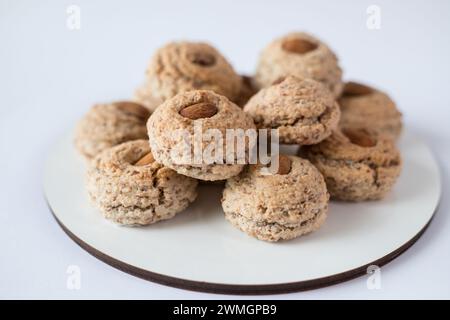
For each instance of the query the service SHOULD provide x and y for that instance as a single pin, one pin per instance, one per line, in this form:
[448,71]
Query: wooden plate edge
[220,288]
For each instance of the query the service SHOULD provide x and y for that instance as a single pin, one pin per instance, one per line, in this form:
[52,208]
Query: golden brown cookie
[183,66]
[109,124]
[303,110]
[209,112]
[301,55]
[280,206]
[131,188]
[366,107]
[357,165]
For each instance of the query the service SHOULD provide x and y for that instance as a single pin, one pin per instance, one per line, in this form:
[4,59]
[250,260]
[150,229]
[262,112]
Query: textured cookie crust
[366,107]
[303,110]
[136,195]
[106,125]
[301,55]
[166,120]
[277,207]
[144,96]
[183,66]
[356,165]
[248,89]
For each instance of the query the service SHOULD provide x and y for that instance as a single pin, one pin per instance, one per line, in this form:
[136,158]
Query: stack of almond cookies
[144,159]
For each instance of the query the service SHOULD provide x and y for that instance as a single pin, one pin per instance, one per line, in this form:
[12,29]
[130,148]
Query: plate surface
[200,250]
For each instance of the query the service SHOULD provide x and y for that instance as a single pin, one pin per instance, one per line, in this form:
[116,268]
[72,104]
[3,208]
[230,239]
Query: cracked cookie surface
[356,164]
[278,206]
[130,193]
[109,124]
[301,55]
[183,66]
[168,145]
[303,110]
[366,107]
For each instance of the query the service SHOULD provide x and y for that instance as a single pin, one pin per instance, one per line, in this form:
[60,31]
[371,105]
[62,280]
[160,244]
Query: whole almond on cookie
[199,110]
[301,55]
[356,89]
[134,109]
[277,207]
[357,165]
[184,66]
[299,46]
[284,164]
[178,115]
[136,196]
[360,137]
[366,107]
[145,160]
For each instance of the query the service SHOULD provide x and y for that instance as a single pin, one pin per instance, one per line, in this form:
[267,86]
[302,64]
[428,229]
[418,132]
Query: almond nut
[145,160]
[134,109]
[199,110]
[360,137]
[299,46]
[354,89]
[284,164]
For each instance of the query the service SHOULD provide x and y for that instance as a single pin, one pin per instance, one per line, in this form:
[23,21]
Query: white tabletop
[50,73]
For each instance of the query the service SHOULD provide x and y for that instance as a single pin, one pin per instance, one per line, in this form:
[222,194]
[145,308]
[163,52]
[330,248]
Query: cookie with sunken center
[357,164]
[366,107]
[172,134]
[109,124]
[302,55]
[303,110]
[130,188]
[145,97]
[183,66]
[291,202]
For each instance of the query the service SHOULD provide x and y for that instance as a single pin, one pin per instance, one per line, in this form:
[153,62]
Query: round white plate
[200,250]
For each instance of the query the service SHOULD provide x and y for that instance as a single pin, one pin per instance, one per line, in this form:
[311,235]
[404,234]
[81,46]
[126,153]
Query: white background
[50,76]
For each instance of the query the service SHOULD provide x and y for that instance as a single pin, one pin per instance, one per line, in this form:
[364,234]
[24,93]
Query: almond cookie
[357,165]
[143,96]
[184,66]
[248,89]
[280,206]
[130,188]
[303,110]
[301,55]
[179,129]
[106,125]
[366,107]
